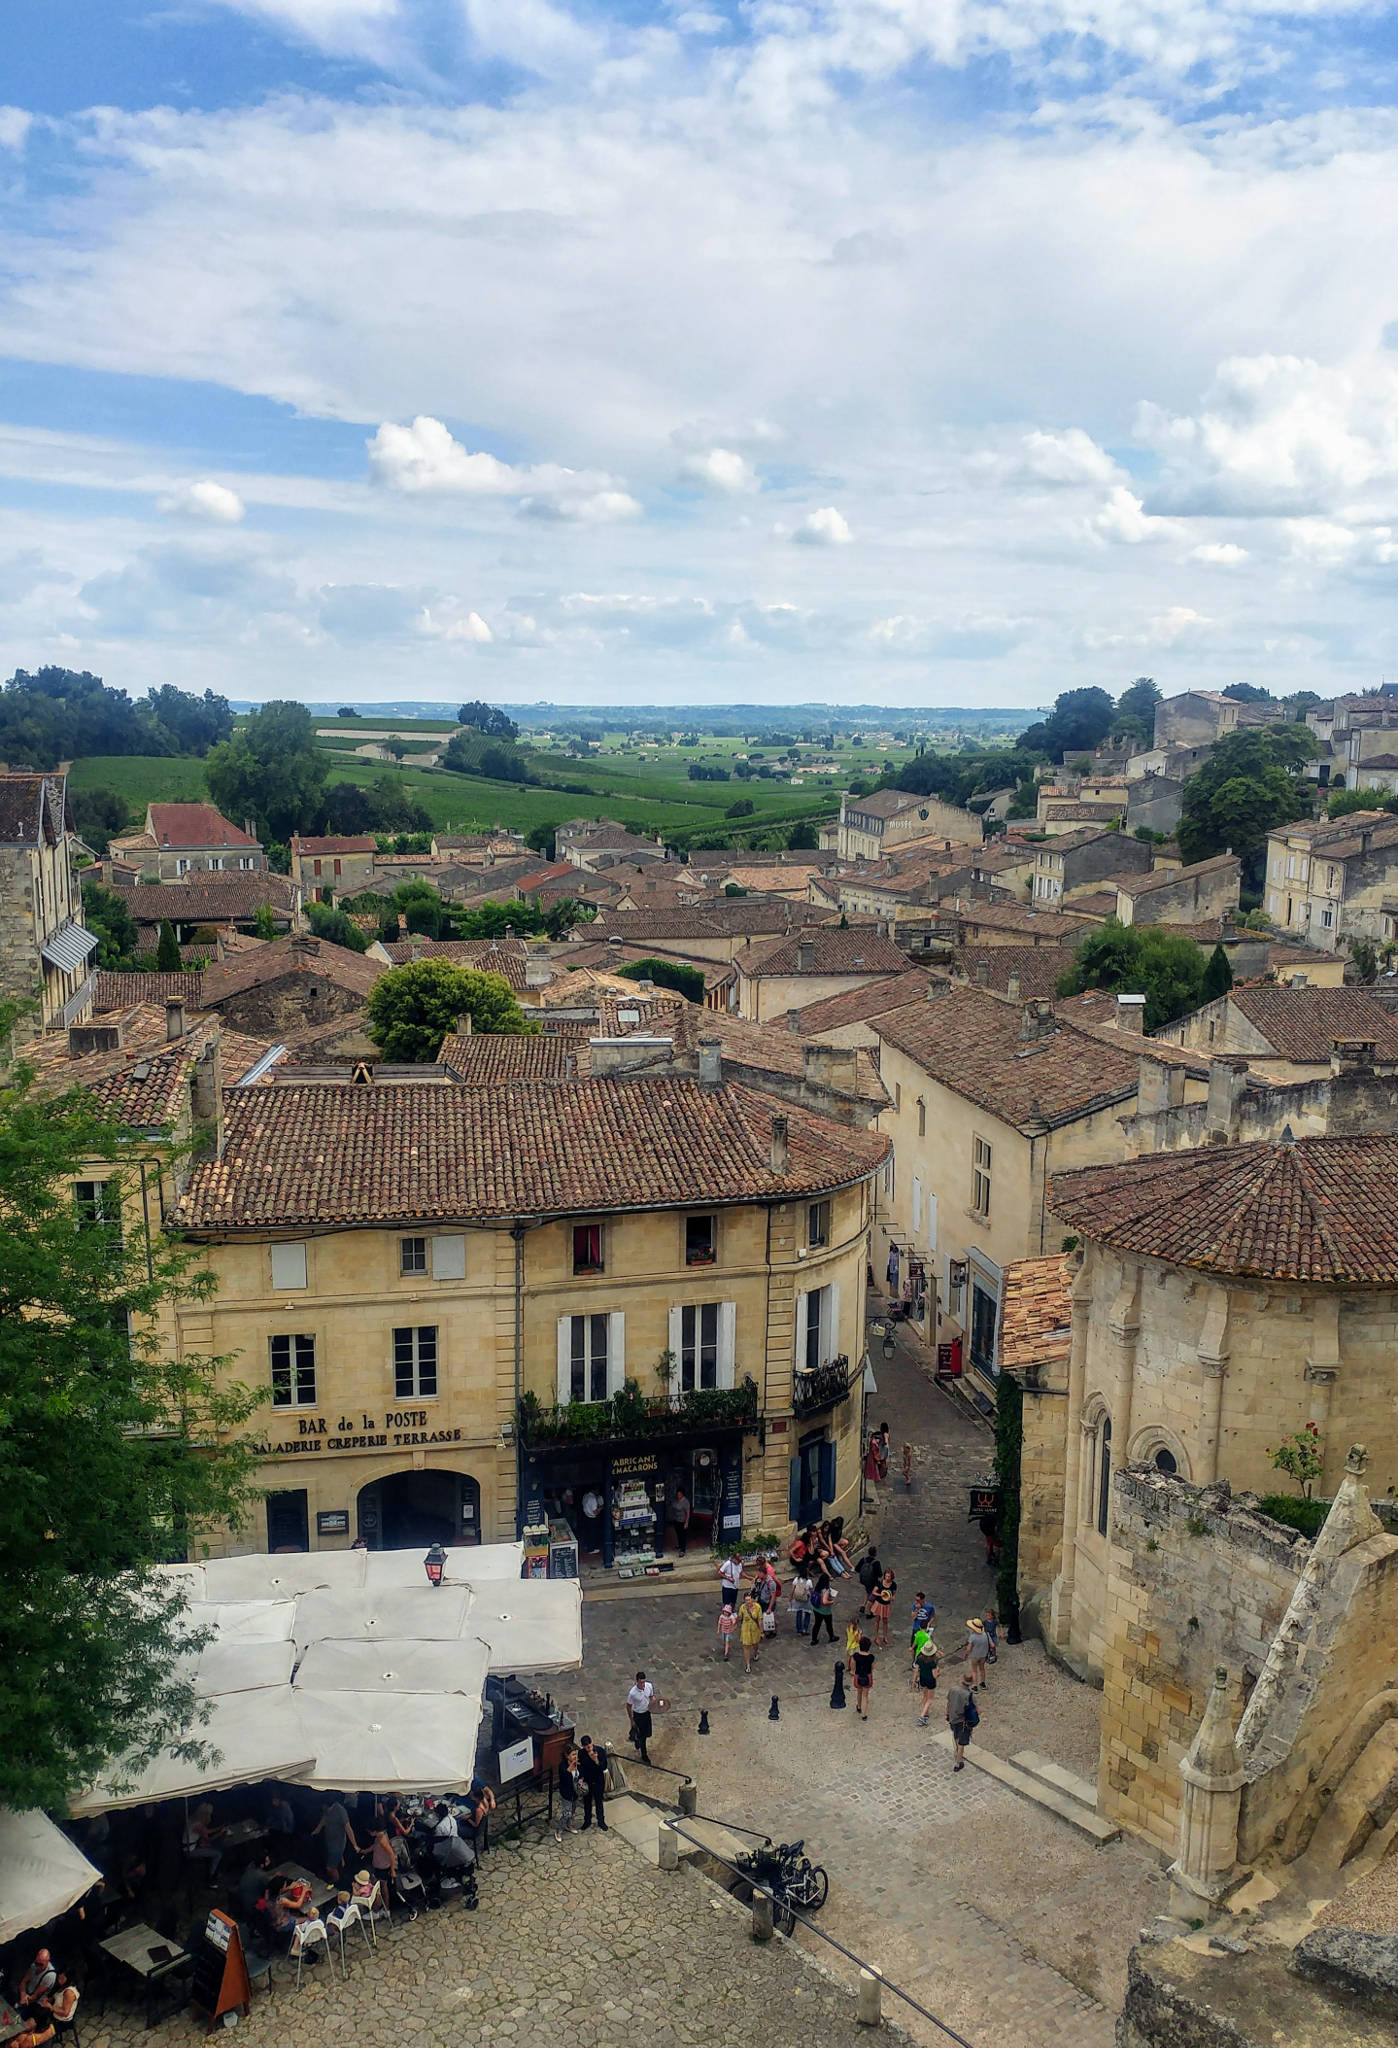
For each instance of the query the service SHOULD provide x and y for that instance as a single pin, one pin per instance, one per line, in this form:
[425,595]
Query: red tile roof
[120,991]
[210,899]
[1038,967]
[294,954]
[363,842]
[316,1156]
[193,825]
[1320,1210]
[824,949]
[491,1057]
[143,1082]
[1302,1023]
[969,1040]
[858,1005]
[483,956]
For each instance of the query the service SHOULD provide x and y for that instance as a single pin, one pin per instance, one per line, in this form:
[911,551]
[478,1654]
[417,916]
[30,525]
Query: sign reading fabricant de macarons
[398,1428]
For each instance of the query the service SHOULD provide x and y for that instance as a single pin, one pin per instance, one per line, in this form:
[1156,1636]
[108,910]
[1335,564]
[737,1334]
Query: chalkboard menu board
[220,1973]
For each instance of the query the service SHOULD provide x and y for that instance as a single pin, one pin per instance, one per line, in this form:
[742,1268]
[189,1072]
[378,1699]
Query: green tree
[335,928]
[114,1456]
[411,1009]
[488,719]
[1249,785]
[1248,693]
[672,974]
[803,836]
[272,770]
[1147,960]
[1079,721]
[107,915]
[263,921]
[1346,800]
[744,808]
[560,917]
[1365,956]
[1218,976]
[168,958]
[390,930]
[98,814]
[540,839]
[1135,710]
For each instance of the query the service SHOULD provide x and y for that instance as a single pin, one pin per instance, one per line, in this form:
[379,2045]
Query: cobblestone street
[994,1914]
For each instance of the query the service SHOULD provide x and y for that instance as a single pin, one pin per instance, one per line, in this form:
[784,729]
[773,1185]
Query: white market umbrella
[41,1873]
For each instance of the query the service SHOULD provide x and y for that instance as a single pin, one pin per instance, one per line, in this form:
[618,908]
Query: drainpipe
[517,1235]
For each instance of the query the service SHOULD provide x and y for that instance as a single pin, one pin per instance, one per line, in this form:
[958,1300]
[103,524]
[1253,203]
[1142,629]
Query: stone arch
[1097,1463]
[1153,1445]
[1355,1791]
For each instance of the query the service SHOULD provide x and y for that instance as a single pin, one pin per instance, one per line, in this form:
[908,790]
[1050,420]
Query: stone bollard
[761,1916]
[689,1800]
[869,2011]
[669,1847]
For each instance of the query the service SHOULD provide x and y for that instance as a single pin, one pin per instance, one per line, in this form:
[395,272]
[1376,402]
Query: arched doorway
[410,1510]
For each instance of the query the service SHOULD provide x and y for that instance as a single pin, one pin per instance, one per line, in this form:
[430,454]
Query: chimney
[780,1128]
[1036,1019]
[1158,1087]
[250,828]
[174,1017]
[1227,1080]
[1297,980]
[1131,1013]
[710,1063]
[206,1096]
[537,971]
[465,1025]
[1012,988]
[97,1036]
[1353,1055]
[830,1068]
[983,974]
[805,956]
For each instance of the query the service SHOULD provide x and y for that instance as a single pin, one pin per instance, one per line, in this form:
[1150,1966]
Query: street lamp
[434,1564]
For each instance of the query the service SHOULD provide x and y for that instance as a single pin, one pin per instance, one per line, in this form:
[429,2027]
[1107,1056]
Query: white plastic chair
[341,1917]
[311,1934]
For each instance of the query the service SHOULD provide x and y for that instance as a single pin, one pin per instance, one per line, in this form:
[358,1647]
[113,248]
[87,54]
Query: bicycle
[797,1885]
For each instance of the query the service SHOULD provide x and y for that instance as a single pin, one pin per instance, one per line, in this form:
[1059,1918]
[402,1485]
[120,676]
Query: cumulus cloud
[826,528]
[446,621]
[15,125]
[721,470]
[426,457]
[204,500]
[1124,519]
[1220,554]
[586,508]
[1071,457]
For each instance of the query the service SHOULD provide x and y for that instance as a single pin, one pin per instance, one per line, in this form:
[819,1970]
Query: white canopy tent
[432,1614]
[395,1665]
[534,1626]
[256,1735]
[390,1741]
[234,1665]
[41,1873]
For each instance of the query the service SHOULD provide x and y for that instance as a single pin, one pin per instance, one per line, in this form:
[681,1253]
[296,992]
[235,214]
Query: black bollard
[774,1711]
[703,1720]
[837,1696]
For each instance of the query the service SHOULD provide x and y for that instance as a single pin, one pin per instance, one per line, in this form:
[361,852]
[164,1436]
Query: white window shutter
[917,1204]
[616,1352]
[288,1265]
[801,1299]
[565,1358]
[449,1257]
[830,1322]
[674,1341]
[932,1223]
[727,1342]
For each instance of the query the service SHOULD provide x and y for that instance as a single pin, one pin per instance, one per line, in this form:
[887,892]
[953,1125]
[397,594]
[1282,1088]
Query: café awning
[256,1735]
[533,1626]
[395,1665]
[42,1874]
[390,1741]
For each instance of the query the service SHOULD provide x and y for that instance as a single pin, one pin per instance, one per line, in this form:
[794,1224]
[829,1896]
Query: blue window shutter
[793,1491]
[827,1473]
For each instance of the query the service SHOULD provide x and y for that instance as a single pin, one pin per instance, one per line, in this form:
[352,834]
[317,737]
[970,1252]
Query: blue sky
[922,350]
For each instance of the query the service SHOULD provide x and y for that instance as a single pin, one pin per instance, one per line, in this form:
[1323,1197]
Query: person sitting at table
[275,1922]
[34,2036]
[201,1839]
[254,1882]
[62,2004]
[296,1897]
[36,1985]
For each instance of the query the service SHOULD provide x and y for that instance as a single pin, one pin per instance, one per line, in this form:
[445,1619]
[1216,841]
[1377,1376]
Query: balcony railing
[823,1386]
[630,1415]
[75,1005]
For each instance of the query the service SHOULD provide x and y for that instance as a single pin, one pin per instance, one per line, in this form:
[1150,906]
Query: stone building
[435,1283]
[1286,1030]
[1073,862]
[1331,881]
[992,1097]
[781,975]
[1174,895]
[1226,1297]
[294,986]
[1200,717]
[871,826]
[211,899]
[189,839]
[45,950]
[331,868]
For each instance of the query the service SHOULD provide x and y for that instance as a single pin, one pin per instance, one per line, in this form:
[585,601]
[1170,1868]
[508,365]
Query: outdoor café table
[11,2022]
[242,1833]
[321,1892]
[148,1956]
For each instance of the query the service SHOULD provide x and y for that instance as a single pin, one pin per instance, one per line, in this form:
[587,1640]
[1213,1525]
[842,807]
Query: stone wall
[1043,1462]
[272,1009]
[1195,1580]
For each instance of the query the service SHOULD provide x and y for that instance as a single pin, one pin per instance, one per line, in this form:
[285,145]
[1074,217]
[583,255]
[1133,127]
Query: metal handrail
[800,1920]
[669,1770]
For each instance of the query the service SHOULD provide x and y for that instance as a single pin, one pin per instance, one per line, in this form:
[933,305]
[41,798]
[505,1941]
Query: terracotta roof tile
[194,825]
[824,949]
[1302,1023]
[294,954]
[144,1082]
[483,956]
[317,1156]
[1038,967]
[858,1005]
[120,991]
[1036,1315]
[1162,878]
[1320,1210]
[487,1056]
[725,917]
[361,842]
[210,899]
[1053,927]
[969,1040]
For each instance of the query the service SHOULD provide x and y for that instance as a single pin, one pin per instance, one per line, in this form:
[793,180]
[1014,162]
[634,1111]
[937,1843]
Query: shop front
[619,1496]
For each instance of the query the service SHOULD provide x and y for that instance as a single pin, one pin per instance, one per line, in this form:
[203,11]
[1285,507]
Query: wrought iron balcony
[823,1386]
[630,1414]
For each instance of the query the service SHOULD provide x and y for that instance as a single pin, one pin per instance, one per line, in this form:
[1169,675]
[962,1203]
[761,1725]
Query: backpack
[973,1713]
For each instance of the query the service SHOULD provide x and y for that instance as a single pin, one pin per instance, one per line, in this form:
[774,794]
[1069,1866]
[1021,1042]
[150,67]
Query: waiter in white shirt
[730,1577]
[638,1706]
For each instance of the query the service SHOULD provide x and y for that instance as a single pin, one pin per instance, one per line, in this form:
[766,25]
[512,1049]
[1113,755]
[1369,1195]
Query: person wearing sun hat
[976,1651]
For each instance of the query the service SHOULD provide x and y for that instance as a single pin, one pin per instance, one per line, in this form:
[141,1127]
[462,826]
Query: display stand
[536,1551]
[634,1518]
[220,1971]
[563,1551]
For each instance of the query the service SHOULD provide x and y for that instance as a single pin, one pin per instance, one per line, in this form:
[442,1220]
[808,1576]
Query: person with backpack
[823,1607]
[768,1591]
[962,1717]
[868,1571]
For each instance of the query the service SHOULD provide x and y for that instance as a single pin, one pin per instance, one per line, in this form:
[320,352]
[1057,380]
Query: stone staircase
[1047,1784]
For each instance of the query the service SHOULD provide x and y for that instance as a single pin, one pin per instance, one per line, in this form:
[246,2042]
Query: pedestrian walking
[992,1629]
[749,1629]
[638,1705]
[567,1794]
[881,1605]
[975,1651]
[799,1603]
[881,1439]
[863,1663]
[823,1607]
[871,1467]
[592,1763]
[925,1671]
[852,1634]
[727,1626]
[868,1571]
[767,1588]
[679,1515]
[924,1613]
[730,1578]
[962,1717]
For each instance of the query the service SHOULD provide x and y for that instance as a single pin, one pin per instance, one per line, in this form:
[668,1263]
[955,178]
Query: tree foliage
[58,714]
[168,958]
[1080,720]
[114,1456]
[1135,711]
[1249,785]
[1346,800]
[488,719]
[672,974]
[270,770]
[1218,976]
[107,916]
[411,1009]
[98,814]
[1133,959]
[474,753]
[803,837]
[335,927]
[385,806]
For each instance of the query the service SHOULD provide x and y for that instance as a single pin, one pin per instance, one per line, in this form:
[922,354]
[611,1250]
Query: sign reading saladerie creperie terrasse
[399,1428]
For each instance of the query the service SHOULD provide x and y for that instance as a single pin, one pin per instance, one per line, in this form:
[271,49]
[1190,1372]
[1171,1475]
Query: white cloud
[204,500]
[722,470]
[587,508]
[1071,457]
[1124,518]
[826,528]
[15,125]
[1221,554]
[425,457]
[447,622]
